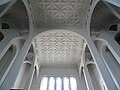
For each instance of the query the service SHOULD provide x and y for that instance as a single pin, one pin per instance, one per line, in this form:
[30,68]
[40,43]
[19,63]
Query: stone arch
[91,66]
[27,65]
[97,13]
[102,17]
[57,33]
[89,15]
[22,23]
[22,76]
[27,62]
[31,21]
[109,60]
[95,77]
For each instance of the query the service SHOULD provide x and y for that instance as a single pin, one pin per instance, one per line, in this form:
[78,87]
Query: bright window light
[73,83]
[44,83]
[51,83]
[58,84]
[66,83]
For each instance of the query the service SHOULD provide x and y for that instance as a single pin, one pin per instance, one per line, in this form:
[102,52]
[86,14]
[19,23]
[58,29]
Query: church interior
[59,44]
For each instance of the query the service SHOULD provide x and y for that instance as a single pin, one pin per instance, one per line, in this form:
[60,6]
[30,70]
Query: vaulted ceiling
[16,16]
[59,48]
[103,17]
[60,12]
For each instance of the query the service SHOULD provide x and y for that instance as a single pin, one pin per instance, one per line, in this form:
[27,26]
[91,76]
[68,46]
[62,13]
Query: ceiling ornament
[59,48]
[60,12]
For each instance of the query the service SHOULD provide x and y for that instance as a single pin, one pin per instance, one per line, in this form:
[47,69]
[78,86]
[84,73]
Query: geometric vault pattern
[60,12]
[59,48]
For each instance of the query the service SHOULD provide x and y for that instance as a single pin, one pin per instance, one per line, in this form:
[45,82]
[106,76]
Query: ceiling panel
[61,12]
[59,48]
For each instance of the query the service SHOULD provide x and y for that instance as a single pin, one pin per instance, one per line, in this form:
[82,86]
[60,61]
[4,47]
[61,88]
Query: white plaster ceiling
[59,47]
[61,12]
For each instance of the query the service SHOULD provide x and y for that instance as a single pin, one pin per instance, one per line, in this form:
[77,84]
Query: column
[113,67]
[12,75]
[113,46]
[30,78]
[31,74]
[88,78]
[101,66]
[6,42]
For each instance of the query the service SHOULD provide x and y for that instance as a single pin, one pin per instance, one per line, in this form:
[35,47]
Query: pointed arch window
[58,83]
[51,83]
[73,83]
[66,83]
[44,82]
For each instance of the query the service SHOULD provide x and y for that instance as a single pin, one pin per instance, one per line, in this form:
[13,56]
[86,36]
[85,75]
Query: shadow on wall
[117,38]
[1,36]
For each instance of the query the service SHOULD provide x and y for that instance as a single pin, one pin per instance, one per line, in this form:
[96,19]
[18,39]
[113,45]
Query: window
[66,83]
[58,83]
[73,83]
[44,83]
[51,83]
[117,38]
[113,27]
[5,26]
